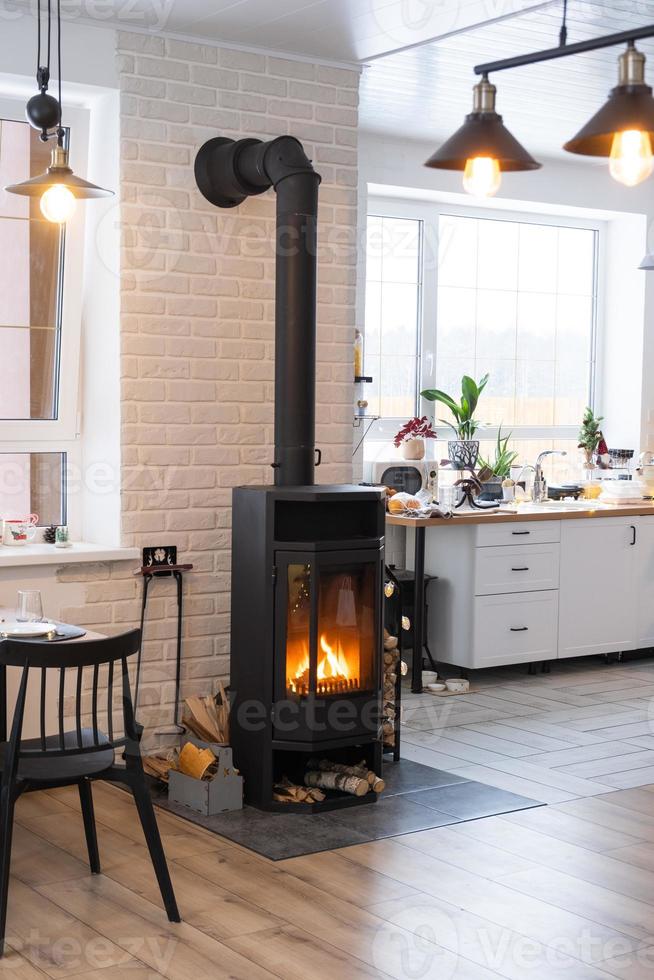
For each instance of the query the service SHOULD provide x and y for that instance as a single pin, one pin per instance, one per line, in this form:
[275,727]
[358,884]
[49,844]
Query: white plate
[26,629]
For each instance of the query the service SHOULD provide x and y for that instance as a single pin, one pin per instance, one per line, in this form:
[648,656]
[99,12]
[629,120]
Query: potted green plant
[590,436]
[411,437]
[492,472]
[464,450]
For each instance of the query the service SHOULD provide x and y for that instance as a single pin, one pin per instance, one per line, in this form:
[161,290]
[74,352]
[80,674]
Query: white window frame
[428,213]
[60,435]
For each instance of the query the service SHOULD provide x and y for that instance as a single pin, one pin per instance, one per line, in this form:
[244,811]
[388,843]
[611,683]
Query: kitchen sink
[556,506]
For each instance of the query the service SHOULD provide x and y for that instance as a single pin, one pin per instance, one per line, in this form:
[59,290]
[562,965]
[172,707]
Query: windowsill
[48,554]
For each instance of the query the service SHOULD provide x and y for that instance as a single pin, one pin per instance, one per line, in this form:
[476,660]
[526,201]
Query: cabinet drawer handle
[633,533]
[518,629]
[520,532]
[525,569]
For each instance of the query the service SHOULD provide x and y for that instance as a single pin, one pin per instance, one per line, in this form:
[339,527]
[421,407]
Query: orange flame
[337,669]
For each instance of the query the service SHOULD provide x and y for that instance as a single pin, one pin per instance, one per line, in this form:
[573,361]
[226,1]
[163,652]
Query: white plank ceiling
[425,92]
[335,30]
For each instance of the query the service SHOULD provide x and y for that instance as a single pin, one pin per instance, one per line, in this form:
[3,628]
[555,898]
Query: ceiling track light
[58,188]
[622,130]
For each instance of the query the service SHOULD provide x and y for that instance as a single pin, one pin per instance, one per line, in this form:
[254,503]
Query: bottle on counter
[432,481]
[358,354]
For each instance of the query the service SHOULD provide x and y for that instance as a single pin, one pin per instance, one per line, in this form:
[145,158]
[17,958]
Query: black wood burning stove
[307,561]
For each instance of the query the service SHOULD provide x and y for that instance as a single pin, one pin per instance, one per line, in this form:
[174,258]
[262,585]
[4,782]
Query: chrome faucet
[539,489]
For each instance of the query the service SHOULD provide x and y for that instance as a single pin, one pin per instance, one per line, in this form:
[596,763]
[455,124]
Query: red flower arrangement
[415,429]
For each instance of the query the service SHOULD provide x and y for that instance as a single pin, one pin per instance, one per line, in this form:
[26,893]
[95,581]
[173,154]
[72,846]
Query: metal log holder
[394,605]
[148,573]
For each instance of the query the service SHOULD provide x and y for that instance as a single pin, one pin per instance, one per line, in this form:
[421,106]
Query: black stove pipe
[227,172]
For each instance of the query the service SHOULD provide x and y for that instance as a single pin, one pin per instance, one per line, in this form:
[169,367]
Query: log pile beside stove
[389,687]
[307,560]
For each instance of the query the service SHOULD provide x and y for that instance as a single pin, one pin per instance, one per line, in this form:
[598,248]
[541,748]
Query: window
[392,328]
[517,300]
[33,483]
[462,292]
[37,419]
[30,284]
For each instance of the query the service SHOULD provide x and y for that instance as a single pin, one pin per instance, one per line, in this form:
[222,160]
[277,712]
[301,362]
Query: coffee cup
[18,531]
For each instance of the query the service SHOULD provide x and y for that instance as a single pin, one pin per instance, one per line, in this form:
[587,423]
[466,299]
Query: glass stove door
[331,624]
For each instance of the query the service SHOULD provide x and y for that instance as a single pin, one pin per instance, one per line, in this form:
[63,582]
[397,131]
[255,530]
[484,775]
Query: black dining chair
[65,758]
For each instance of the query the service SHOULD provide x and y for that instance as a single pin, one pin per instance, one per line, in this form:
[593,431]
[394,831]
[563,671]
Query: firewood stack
[322,774]
[287,792]
[391,667]
[356,780]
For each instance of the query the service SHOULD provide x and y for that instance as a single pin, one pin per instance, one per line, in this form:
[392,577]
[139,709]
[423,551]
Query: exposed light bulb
[58,204]
[482,176]
[631,157]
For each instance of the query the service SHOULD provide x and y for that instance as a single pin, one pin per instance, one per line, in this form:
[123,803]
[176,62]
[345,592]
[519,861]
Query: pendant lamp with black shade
[58,188]
[483,148]
[623,129]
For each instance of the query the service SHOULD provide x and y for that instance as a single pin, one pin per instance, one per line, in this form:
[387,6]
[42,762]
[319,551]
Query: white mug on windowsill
[18,531]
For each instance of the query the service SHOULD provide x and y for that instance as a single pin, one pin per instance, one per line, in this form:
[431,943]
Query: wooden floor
[560,891]
[582,730]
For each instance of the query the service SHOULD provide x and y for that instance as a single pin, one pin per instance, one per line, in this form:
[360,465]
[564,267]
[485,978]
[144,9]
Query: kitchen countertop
[528,512]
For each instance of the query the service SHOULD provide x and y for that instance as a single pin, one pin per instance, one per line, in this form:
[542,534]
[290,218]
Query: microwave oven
[406,476]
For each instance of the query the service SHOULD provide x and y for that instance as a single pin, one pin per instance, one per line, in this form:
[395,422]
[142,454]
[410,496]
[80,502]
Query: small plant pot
[413,449]
[463,453]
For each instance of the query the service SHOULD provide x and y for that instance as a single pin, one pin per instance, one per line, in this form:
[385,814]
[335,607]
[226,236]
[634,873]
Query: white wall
[88,53]
[626,378]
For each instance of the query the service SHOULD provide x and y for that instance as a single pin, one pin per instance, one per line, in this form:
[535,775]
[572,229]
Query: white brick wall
[197,324]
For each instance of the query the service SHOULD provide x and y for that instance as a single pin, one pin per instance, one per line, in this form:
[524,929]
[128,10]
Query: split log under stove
[307,561]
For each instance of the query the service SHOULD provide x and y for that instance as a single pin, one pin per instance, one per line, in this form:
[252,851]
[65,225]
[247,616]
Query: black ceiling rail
[564,50]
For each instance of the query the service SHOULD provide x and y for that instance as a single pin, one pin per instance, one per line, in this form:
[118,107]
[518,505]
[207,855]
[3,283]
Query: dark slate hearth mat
[416,798]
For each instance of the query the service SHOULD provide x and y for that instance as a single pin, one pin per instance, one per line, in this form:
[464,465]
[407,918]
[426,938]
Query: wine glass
[30,606]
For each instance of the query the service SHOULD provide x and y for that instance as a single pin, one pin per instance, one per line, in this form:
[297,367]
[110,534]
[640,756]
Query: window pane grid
[517,300]
[30,284]
[393,308]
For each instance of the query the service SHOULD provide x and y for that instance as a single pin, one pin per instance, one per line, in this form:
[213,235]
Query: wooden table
[9,685]
[495,516]
[8,615]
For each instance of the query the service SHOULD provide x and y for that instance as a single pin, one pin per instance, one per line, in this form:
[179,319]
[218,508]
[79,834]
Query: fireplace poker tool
[148,573]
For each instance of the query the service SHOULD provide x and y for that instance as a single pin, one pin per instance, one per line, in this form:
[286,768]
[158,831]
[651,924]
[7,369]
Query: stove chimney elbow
[227,171]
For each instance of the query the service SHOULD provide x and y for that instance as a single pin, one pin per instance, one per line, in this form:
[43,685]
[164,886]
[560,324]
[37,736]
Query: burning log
[361,771]
[353,785]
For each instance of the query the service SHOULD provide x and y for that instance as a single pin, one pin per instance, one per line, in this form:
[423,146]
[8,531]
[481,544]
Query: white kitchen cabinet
[522,533]
[515,629]
[598,602]
[517,569]
[496,598]
[539,590]
[645,583]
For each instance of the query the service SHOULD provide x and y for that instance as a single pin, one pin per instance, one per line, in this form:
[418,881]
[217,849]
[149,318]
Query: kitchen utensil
[563,490]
